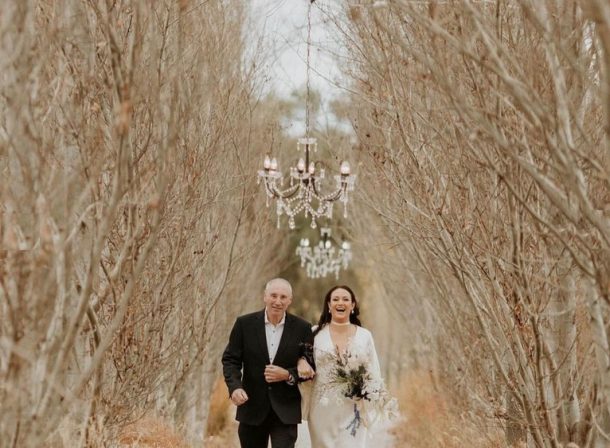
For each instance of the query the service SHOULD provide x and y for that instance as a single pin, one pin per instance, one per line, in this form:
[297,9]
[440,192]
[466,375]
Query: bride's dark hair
[325,317]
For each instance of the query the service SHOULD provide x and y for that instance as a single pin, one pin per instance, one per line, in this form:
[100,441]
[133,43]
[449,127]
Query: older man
[260,369]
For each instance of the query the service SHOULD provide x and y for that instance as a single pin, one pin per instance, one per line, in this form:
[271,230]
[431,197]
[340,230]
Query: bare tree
[486,122]
[128,139]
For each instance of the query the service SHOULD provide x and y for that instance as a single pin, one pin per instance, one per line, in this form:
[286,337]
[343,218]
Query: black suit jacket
[244,362]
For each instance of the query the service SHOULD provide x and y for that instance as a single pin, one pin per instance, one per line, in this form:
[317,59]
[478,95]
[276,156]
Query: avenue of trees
[133,230]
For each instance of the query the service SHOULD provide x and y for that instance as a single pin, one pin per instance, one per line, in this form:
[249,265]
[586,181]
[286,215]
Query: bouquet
[354,379]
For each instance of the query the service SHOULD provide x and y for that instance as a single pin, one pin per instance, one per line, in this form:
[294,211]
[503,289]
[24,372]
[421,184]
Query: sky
[283,27]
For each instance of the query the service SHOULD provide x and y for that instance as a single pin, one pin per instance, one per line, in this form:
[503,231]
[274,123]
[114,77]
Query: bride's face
[340,305]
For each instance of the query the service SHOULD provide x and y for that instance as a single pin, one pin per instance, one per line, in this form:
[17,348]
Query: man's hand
[305,370]
[275,374]
[239,397]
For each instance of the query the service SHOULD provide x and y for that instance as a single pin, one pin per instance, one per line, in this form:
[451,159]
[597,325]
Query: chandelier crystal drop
[324,258]
[304,192]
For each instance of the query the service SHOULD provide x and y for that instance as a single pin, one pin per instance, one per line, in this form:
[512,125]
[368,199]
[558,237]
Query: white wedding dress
[331,415]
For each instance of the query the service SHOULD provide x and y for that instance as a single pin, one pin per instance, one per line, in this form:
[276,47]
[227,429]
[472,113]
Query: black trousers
[257,436]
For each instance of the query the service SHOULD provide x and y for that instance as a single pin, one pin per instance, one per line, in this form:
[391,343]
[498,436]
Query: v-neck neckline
[350,340]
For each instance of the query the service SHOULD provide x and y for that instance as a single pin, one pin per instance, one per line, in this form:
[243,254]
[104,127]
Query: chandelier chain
[308,70]
[304,193]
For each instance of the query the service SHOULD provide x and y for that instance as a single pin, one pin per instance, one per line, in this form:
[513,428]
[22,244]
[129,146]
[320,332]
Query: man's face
[277,298]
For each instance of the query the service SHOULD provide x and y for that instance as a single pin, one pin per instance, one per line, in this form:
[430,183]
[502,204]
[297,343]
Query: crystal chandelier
[304,192]
[321,260]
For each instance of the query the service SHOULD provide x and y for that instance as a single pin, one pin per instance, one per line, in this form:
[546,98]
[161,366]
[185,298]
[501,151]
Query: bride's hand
[305,370]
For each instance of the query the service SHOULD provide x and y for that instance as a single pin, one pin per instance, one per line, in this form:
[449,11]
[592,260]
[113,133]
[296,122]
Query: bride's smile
[340,305]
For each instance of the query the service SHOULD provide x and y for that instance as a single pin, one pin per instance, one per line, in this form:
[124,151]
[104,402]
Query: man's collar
[267,321]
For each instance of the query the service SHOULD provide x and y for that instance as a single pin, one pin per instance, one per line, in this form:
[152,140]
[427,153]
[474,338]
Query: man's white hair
[278,280]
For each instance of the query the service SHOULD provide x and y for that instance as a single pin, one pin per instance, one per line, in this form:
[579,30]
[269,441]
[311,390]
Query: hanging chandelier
[304,193]
[324,258]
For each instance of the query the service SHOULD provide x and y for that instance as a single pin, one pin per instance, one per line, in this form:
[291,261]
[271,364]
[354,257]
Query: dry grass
[155,433]
[151,433]
[222,428]
[219,409]
[226,439]
[433,419]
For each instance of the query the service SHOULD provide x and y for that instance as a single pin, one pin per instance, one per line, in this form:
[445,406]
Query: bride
[347,393]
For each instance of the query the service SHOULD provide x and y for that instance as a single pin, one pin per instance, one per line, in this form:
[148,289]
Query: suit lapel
[262,335]
[286,335]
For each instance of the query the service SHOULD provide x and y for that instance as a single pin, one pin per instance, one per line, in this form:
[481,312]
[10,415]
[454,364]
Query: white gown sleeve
[374,409]
[372,354]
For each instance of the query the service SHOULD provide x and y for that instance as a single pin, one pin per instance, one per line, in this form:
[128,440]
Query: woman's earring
[352,311]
